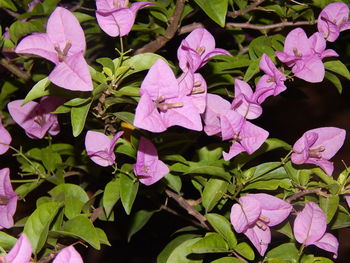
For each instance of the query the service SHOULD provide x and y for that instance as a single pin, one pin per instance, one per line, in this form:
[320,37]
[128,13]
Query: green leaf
[125,116]
[338,67]
[37,226]
[287,252]
[285,229]
[8,4]
[245,250]
[173,181]
[214,168]
[181,253]
[78,118]
[50,159]
[341,220]
[138,221]
[81,227]
[322,260]
[335,80]
[164,255]
[223,227]
[26,188]
[211,243]
[269,184]
[69,191]
[102,236]
[215,9]
[7,241]
[209,153]
[106,62]
[329,205]
[213,191]
[128,191]
[111,196]
[228,260]
[252,70]
[19,29]
[39,90]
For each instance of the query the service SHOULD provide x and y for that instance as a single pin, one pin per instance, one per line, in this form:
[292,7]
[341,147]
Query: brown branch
[190,210]
[172,211]
[252,7]
[189,28]
[267,27]
[317,191]
[170,32]
[14,70]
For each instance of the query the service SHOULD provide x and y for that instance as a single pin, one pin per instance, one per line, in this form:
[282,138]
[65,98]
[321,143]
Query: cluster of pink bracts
[167,101]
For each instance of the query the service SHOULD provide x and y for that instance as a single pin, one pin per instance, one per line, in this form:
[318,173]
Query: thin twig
[238,256]
[189,28]
[253,6]
[14,70]
[172,211]
[266,27]
[317,191]
[298,3]
[170,32]
[190,210]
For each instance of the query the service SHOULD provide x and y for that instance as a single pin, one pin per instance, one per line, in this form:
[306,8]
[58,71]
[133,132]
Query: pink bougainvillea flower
[68,255]
[5,139]
[332,20]
[64,45]
[255,213]
[317,146]
[246,137]
[199,46]
[310,229]
[245,103]
[163,104]
[270,84]
[20,253]
[318,45]
[115,17]
[100,148]
[215,106]
[8,199]
[303,55]
[36,118]
[148,167]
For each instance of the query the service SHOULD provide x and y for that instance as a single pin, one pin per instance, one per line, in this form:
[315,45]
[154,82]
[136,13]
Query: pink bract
[115,17]
[310,229]
[148,167]
[68,255]
[8,199]
[317,146]
[64,45]
[100,148]
[21,251]
[255,213]
[333,19]
[36,118]
[5,139]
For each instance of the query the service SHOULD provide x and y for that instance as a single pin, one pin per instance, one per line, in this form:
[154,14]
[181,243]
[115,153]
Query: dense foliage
[111,109]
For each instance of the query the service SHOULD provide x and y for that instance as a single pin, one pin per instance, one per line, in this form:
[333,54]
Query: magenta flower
[148,167]
[246,137]
[270,84]
[115,17]
[8,199]
[36,118]
[304,55]
[317,146]
[20,253]
[64,45]
[196,49]
[215,106]
[5,139]
[163,104]
[318,45]
[255,213]
[332,20]
[100,148]
[310,229]
[68,255]
[245,102]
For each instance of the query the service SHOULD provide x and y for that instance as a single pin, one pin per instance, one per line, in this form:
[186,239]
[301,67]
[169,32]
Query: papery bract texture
[5,139]
[21,252]
[317,146]
[36,118]
[68,255]
[199,45]
[100,148]
[333,19]
[63,44]
[310,229]
[8,199]
[115,17]
[148,167]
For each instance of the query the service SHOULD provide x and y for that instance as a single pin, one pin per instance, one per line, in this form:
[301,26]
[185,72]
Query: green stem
[24,181]
[300,252]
